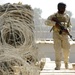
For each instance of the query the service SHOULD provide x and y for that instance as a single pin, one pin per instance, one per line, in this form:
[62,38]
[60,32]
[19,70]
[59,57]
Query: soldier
[61,42]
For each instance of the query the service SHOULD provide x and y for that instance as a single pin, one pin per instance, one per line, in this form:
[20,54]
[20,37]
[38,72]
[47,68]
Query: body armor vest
[63,19]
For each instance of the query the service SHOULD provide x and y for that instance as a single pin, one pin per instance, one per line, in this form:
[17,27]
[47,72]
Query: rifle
[61,27]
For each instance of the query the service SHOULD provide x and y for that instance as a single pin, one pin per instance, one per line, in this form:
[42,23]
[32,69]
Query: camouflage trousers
[62,48]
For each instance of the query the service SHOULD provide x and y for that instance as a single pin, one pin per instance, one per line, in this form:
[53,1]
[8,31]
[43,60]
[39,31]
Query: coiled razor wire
[16,25]
[18,53]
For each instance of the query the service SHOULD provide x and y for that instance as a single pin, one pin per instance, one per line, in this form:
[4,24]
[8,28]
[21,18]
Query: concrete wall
[46,50]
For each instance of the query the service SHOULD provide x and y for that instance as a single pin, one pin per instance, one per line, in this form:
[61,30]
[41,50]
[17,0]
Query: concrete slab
[49,69]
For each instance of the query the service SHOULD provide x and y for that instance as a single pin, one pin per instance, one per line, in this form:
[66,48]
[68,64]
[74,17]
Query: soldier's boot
[57,66]
[66,65]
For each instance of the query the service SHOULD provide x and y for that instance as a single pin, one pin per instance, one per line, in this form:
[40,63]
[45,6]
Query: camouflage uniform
[61,42]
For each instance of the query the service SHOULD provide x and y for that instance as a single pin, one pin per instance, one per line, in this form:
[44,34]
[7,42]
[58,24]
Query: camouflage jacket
[63,18]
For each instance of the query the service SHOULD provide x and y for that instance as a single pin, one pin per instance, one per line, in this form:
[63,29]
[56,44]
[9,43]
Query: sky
[48,7]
